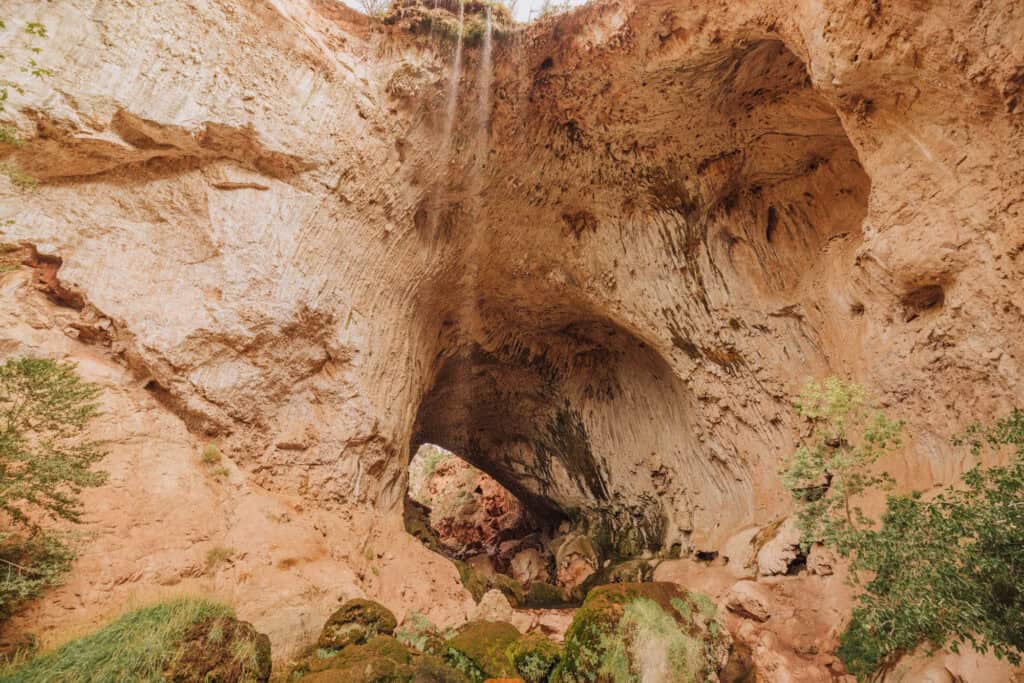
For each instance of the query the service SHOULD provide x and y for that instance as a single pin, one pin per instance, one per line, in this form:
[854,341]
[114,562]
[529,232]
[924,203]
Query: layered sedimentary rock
[601,280]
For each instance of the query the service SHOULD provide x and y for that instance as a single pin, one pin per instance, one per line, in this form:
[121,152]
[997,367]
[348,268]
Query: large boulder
[356,622]
[534,657]
[778,546]
[221,649]
[656,632]
[489,650]
[575,559]
[381,659]
[480,649]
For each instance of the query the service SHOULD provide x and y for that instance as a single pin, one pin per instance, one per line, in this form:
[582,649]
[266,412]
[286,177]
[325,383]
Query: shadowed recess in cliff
[575,416]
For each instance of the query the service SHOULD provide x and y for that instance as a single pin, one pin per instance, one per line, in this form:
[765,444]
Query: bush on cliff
[9,136]
[45,463]
[943,571]
[180,640]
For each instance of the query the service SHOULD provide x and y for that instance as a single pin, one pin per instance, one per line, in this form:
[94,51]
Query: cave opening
[496,540]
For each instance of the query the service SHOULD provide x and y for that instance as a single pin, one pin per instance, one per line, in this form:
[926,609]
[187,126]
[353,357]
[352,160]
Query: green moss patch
[542,595]
[355,622]
[623,630]
[480,649]
[534,657]
[381,658]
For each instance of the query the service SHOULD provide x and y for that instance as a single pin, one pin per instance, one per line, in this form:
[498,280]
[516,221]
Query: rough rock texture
[470,511]
[804,616]
[150,529]
[277,238]
[356,622]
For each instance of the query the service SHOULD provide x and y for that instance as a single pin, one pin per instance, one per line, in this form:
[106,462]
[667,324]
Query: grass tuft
[138,646]
[211,455]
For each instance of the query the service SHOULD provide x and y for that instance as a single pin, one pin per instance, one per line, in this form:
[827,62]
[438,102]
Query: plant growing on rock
[835,464]
[9,136]
[942,571]
[45,463]
[179,640]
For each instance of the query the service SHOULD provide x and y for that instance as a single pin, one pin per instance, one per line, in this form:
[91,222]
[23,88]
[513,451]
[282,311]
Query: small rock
[778,552]
[529,566]
[749,600]
[575,560]
[482,565]
[820,560]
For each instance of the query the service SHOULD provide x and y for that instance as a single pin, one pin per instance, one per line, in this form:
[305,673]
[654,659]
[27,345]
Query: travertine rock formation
[601,279]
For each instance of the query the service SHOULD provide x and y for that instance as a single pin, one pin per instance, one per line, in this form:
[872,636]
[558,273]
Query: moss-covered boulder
[381,659]
[540,595]
[181,640]
[478,585]
[480,649]
[356,622]
[656,632]
[534,657]
[221,649]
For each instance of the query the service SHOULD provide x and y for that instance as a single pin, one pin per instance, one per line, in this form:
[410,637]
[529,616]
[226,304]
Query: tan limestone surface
[606,297]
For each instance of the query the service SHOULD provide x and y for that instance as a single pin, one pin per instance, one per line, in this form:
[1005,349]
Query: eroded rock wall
[606,298]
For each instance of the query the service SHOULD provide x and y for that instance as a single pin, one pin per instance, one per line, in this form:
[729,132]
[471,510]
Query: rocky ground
[598,264]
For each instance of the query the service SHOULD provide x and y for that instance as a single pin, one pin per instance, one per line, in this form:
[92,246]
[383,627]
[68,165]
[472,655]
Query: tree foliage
[834,465]
[9,136]
[46,461]
[942,571]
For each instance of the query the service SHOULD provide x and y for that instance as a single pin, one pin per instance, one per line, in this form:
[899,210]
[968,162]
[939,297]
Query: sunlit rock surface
[601,281]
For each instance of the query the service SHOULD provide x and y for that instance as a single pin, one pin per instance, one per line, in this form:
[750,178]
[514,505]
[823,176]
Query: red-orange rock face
[599,267]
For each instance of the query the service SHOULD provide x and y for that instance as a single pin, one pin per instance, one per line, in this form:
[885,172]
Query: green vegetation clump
[480,649]
[211,455]
[835,464]
[9,136]
[45,463]
[186,639]
[380,658]
[534,657]
[623,628]
[942,571]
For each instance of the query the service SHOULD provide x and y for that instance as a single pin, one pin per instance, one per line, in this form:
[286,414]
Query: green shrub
[211,455]
[9,136]
[141,647]
[28,566]
[45,463]
[834,466]
[944,571]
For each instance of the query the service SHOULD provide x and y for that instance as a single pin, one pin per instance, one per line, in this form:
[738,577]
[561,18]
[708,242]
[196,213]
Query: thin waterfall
[484,79]
[477,230]
[451,110]
[469,310]
[453,93]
